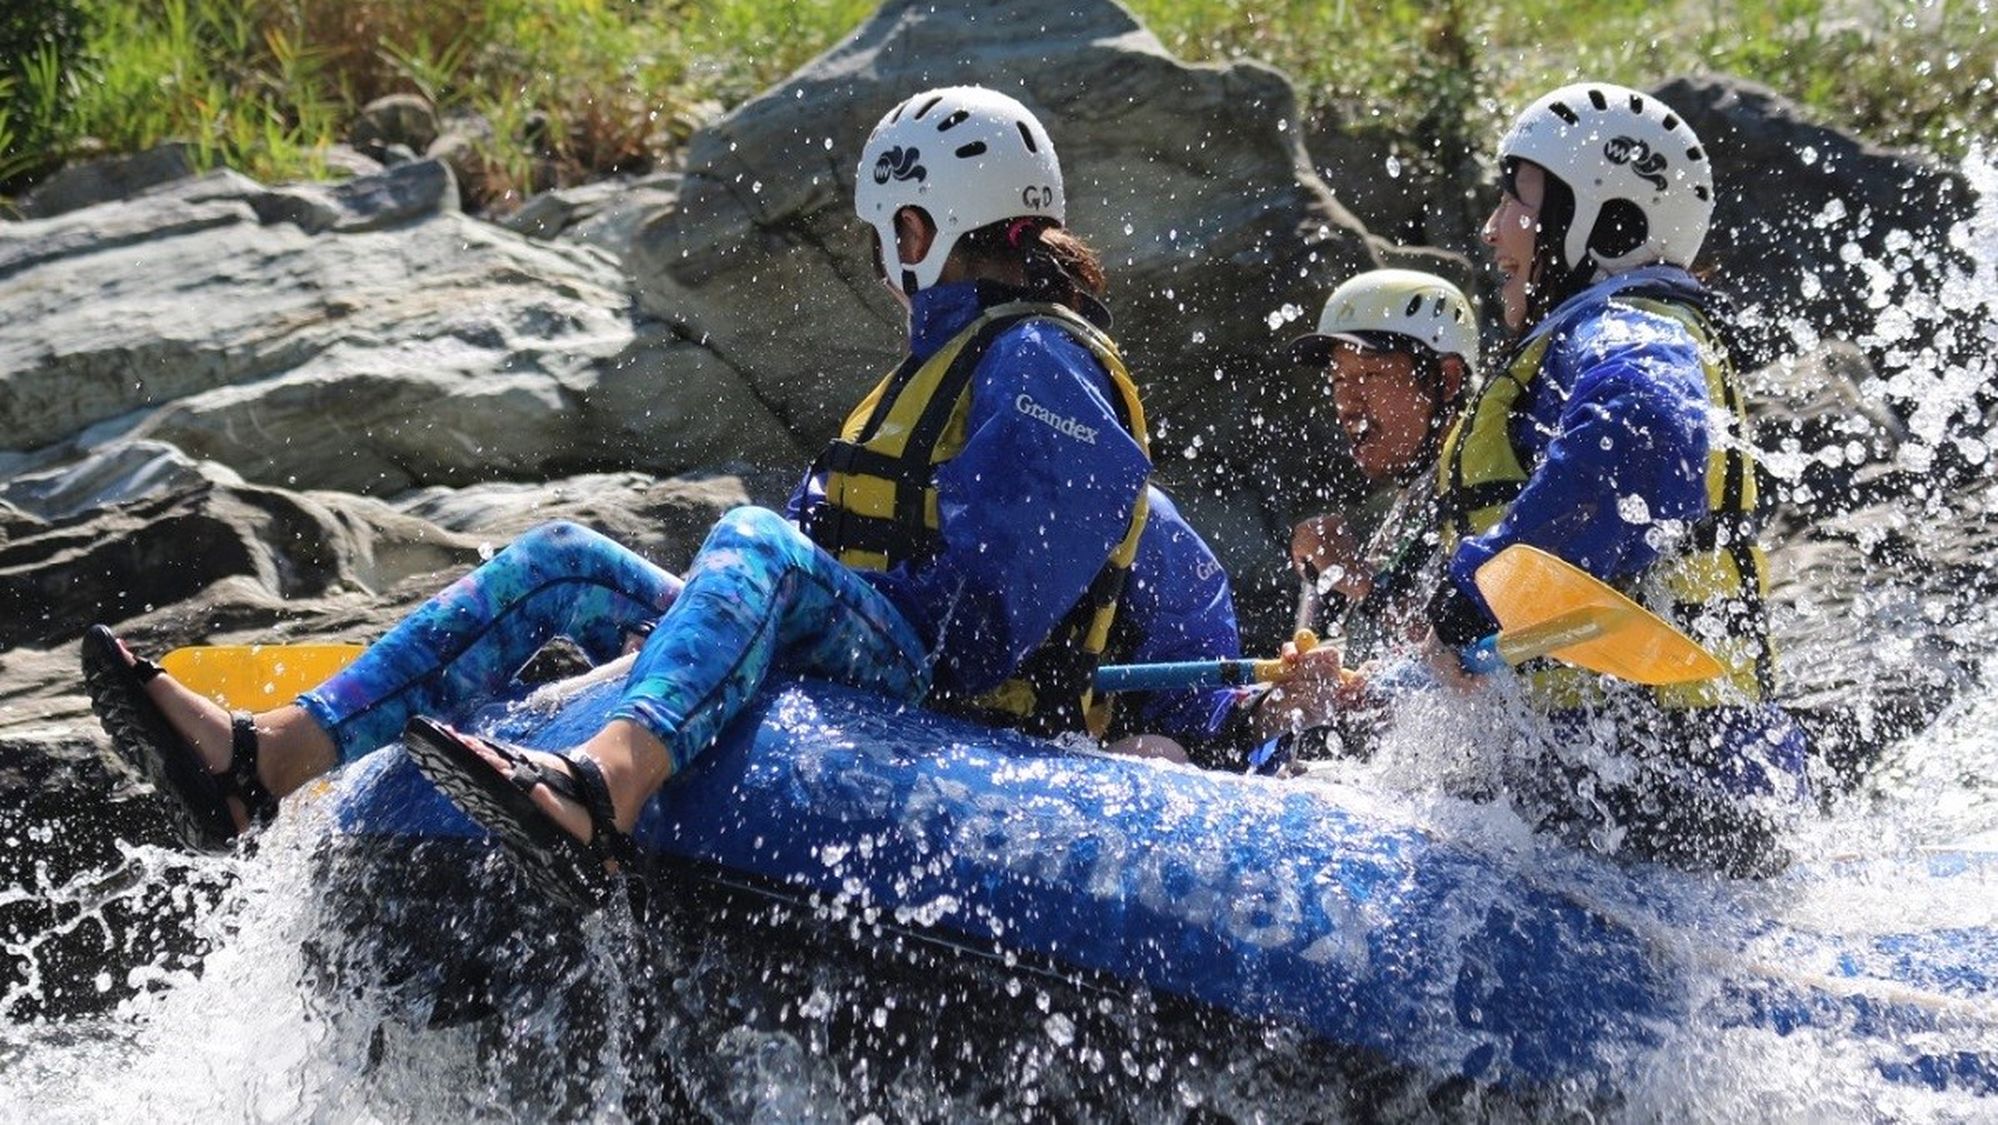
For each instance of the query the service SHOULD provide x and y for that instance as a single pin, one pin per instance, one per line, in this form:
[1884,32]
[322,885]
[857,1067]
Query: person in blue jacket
[1613,435]
[976,538]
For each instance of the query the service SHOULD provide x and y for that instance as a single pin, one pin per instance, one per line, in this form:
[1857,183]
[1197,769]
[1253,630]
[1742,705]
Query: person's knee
[753,528]
[555,535]
[757,536]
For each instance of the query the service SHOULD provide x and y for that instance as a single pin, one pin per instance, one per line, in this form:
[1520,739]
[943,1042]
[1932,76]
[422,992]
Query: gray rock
[607,214]
[395,119]
[404,345]
[1825,439]
[128,559]
[1367,171]
[461,145]
[1819,234]
[614,225]
[346,161]
[108,178]
[120,473]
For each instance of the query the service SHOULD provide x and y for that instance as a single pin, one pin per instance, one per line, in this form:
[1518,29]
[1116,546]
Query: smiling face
[1383,406]
[1511,233]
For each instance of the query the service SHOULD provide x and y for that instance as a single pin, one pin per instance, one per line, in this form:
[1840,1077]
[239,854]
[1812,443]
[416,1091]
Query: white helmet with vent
[1404,303]
[967,156]
[1644,188]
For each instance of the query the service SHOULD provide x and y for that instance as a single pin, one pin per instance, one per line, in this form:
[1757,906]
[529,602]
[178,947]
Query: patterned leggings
[759,595]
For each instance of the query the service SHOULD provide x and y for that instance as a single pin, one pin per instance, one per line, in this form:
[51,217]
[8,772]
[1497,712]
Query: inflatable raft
[1269,901]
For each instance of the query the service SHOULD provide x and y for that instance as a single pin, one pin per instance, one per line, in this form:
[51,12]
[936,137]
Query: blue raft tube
[1264,901]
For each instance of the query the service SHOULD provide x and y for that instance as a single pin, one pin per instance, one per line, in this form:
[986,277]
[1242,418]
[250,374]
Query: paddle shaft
[1514,646]
[1488,655]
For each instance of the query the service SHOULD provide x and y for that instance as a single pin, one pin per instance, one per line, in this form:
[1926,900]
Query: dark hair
[1549,279]
[1059,266]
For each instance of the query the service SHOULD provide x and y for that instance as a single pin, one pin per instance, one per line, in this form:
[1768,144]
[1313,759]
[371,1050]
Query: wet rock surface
[1818,234]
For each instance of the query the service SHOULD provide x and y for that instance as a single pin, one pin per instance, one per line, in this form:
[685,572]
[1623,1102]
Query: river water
[253,996]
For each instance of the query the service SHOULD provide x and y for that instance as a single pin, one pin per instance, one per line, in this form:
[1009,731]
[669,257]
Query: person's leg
[759,593]
[464,645]
[458,648]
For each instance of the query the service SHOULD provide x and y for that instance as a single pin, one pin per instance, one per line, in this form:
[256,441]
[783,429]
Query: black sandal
[561,866]
[146,741]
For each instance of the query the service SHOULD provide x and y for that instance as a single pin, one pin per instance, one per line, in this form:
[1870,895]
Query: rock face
[108,179]
[1819,234]
[362,336]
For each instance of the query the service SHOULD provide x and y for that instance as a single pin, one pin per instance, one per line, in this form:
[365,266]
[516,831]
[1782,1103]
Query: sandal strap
[606,839]
[583,784]
[243,782]
[146,670]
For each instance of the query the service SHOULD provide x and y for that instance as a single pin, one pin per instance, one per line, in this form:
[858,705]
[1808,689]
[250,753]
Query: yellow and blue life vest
[1714,588]
[880,508]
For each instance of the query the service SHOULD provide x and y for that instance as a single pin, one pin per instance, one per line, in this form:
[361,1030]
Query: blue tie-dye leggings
[758,594]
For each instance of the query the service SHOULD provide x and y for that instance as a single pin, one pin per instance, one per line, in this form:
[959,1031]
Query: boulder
[92,182]
[120,561]
[1819,234]
[607,214]
[344,161]
[362,336]
[1823,438]
[120,473]
[395,119]
[1191,180]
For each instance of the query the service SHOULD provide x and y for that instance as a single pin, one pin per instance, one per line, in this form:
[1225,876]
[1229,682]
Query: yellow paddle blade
[1527,587]
[256,677]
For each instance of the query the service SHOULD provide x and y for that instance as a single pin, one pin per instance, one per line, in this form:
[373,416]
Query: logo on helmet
[1649,166]
[900,163]
[1037,197]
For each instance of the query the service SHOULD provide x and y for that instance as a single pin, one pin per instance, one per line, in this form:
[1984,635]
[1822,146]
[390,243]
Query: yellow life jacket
[1713,588]
[880,509]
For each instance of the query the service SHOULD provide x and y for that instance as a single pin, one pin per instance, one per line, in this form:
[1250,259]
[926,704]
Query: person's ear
[914,233]
[1454,377]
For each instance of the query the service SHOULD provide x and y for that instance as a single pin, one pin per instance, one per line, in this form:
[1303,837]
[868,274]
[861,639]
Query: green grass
[1902,73]
[577,88]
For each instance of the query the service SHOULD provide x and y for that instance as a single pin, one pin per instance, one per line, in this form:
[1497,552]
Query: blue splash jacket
[1614,435]
[1029,509]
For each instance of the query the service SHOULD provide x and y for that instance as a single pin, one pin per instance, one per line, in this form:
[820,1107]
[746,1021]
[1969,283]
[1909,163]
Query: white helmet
[966,155]
[1627,157]
[1420,306]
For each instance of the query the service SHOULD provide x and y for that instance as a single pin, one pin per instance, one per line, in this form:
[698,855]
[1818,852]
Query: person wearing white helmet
[1397,349]
[980,532]
[1612,434]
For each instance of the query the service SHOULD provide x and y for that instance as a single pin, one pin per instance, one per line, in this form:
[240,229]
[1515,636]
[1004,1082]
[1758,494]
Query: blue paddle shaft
[1174,677]
[1479,658]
